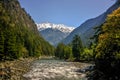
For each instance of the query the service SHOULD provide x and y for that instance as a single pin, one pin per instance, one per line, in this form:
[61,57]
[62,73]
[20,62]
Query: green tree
[77,47]
[108,48]
[59,52]
[19,36]
[87,54]
[1,45]
[10,45]
[64,52]
[68,52]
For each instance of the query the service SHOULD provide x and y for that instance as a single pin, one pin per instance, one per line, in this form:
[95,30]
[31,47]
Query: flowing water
[49,69]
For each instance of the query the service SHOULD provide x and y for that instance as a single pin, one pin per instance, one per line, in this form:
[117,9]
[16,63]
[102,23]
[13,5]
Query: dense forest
[18,33]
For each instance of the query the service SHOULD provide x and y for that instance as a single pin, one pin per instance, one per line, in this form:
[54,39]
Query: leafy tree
[108,48]
[87,54]
[77,47]
[68,52]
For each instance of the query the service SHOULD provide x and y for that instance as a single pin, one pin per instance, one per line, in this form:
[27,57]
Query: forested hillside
[18,33]
[107,59]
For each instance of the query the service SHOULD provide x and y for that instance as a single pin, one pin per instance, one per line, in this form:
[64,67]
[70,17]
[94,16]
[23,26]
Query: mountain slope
[19,36]
[53,36]
[86,30]
[54,33]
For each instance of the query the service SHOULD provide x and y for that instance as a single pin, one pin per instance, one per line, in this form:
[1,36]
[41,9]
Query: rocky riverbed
[14,70]
[49,69]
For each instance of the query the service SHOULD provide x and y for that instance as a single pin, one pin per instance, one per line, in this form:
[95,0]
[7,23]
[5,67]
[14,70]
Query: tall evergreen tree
[77,47]
[1,45]
[10,45]
[59,52]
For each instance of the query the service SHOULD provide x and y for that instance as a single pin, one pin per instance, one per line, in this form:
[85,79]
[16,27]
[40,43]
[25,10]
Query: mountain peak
[61,27]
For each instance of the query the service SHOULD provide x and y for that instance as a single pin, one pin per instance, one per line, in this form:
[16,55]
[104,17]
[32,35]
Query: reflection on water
[55,70]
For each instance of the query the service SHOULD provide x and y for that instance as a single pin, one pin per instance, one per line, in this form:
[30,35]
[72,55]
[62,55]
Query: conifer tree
[77,47]
[10,45]
[1,45]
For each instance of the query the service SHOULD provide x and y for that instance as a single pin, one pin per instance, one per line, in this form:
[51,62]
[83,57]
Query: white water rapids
[56,70]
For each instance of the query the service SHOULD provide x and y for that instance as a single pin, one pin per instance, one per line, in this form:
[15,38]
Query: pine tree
[60,51]
[1,45]
[10,45]
[77,47]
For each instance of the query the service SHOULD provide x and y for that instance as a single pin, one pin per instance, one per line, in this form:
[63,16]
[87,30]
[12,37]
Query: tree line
[75,51]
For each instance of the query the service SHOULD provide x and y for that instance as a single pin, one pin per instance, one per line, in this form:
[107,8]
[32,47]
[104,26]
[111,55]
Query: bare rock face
[86,30]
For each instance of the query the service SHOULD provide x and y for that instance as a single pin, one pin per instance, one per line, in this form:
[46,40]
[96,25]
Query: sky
[68,12]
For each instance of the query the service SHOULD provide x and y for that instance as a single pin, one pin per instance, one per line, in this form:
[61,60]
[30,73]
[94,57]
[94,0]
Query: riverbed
[50,69]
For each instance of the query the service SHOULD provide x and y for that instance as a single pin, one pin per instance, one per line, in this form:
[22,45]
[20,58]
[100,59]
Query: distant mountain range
[61,27]
[86,30]
[54,33]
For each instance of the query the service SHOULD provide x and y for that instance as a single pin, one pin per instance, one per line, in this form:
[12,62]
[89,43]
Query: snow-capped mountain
[54,33]
[61,27]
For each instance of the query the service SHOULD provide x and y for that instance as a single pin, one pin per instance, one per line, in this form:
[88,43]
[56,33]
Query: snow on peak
[61,27]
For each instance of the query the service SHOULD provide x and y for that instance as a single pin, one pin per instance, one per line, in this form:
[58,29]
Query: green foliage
[63,51]
[19,36]
[87,54]
[10,49]
[59,52]
[68,53]
[1,44]
[108,47]
[74,51]
[77,47]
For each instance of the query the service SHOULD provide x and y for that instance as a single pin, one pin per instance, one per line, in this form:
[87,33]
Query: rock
[55,70]
[13,70]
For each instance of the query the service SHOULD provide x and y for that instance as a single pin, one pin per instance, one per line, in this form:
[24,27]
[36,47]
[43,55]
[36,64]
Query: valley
[30,50]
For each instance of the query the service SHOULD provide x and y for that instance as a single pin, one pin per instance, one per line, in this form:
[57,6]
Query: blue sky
[68,12]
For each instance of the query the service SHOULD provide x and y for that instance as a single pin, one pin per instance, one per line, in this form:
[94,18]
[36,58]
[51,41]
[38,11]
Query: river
[50,69]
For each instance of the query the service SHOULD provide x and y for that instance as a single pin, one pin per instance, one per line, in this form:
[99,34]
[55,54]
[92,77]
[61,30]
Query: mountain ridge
[61,27]
[86,29]
[53,36]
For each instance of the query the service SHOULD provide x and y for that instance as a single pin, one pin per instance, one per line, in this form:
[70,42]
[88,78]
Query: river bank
[14,70]
[42,69]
